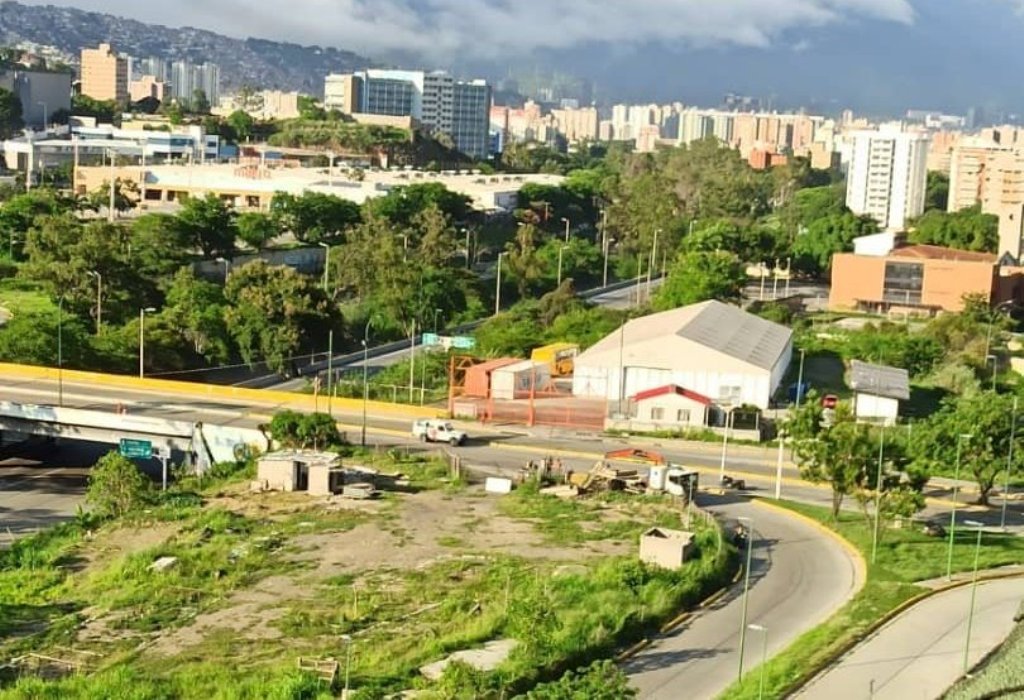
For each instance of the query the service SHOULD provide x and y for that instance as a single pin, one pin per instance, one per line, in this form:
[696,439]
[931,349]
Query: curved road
[919,655]
[799,577]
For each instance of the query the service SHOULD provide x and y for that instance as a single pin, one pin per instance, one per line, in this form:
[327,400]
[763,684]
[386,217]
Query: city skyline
[947,58]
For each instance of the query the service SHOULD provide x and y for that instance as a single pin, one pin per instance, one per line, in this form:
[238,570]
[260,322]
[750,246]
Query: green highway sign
[463,342]
[139,449]
[431,339]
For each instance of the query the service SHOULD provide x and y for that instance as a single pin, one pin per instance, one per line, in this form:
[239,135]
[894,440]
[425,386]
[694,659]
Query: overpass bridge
[196,443]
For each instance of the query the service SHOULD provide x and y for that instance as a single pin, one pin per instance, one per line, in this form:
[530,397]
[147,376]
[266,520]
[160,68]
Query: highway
[919,655]
[799,577]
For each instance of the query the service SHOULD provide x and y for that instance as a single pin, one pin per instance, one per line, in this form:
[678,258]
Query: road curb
[858,559]
[888,617]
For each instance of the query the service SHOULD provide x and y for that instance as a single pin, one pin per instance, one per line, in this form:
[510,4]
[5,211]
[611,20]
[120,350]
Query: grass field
[20,297]
[259,580]
[904,557]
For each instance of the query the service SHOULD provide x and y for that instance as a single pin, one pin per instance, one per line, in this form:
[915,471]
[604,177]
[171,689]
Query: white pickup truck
[437,431]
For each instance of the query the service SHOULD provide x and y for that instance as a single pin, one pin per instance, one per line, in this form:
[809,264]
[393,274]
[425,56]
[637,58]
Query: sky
[880,54]
[440,29]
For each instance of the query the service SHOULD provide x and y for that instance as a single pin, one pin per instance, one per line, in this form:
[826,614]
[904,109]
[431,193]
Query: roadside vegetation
[1001,676]
[905,556]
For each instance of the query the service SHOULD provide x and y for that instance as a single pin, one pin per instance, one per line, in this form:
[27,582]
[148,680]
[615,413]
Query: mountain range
[881,57]
[259,62]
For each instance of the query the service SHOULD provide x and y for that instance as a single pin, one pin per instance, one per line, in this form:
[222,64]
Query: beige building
[577,124]
[104,74]
[146,87]
[342,93]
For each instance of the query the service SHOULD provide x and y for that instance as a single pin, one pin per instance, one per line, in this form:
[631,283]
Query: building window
[903,282]
[683,415]
[658,413]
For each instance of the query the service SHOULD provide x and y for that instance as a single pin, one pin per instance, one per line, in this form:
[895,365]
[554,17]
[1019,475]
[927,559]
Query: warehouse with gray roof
[713,349]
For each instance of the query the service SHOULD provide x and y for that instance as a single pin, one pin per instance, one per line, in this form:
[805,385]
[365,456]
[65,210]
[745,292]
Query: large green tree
[10,114]
[208,223]
[815,245]
[986,417]
[967,229]
[257,229]
[313,217]
[275,313]
[699,276]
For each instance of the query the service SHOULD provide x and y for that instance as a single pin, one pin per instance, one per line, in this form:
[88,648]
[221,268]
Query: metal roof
[880,380]
[737,333]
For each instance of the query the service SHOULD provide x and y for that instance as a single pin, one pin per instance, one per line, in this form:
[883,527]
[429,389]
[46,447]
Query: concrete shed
[297,470]
[666,548]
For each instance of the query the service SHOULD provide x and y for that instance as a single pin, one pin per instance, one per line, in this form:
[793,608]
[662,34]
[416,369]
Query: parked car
[934,529]
[829,401]
[438,431]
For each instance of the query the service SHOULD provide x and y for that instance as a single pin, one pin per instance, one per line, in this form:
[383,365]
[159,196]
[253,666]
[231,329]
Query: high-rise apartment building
[181,79]
[888,172]
[456,108]
[104,74]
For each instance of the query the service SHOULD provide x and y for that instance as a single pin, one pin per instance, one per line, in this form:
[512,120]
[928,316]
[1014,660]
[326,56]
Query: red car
[829,401]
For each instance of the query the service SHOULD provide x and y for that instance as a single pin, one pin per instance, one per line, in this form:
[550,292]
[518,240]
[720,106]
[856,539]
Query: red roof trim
[673,389]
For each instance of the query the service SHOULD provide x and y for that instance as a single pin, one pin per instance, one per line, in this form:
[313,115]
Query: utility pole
[99,299]
[497,289]
[113,190]
[1009,464]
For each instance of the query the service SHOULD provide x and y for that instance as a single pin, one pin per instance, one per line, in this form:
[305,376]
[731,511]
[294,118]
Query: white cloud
[445,29]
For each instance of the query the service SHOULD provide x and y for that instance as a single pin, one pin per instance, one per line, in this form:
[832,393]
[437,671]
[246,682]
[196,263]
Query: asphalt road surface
[799,577]
[919,655]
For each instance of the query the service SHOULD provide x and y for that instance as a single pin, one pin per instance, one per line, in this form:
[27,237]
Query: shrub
[116,486]
[305,430]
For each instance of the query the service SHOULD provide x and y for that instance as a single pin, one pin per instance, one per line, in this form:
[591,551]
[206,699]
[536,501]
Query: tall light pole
[227,267]
[725,444]
[746,592]
[468,256]
[607,247]
[952,515]
[142,339]
[1009,464]
[497,287]
[653,261]
[764,656]
[436,312]
[327,262]
[330,371]
[561,250]
[974,591]
[99,299]
[366,385]
[60,351]
[878,495]
[113,190]
[800,381]
[778,467]
[566,222]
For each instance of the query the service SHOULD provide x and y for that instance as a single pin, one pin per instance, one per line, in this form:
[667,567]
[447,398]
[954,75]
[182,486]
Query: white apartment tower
[887,176]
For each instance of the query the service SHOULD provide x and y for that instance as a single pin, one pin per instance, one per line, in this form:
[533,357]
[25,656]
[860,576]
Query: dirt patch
[103,547]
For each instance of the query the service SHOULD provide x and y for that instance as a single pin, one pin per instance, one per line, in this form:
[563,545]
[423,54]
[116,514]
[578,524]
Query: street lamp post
[436,312]
[366,385]
[878,495]
[778,467]
[468,257]
[142,339]
[653,261]
[227,267]
[60,351]
[746,592]
[952,515]
[561,250]
[725,444]
[497,287]
[330,371]
[566,222]
[995,366]
[99,299]
[1009,464]
[800,381]
[974,591]
[113,190]
[327,262]
[764,656]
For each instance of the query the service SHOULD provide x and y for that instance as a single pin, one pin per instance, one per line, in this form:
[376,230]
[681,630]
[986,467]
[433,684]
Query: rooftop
[880,380]
[672,389]
[722,327]
[934,252]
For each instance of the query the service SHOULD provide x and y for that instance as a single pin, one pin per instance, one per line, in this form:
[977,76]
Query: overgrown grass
[1001,676]
[904,556]
[23,298]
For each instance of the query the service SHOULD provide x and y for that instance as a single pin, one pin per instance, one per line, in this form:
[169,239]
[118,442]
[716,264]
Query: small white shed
[518,380]
[666,548]
[878,390]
